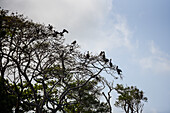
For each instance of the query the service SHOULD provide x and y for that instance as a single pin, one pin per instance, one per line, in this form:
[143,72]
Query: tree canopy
[130,99]
[40,73]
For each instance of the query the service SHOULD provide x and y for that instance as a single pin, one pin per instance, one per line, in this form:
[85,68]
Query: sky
[134,33]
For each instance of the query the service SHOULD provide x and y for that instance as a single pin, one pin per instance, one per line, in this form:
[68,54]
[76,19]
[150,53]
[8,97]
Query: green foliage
[86,99]
[43,74]
[7,99]
[130,98]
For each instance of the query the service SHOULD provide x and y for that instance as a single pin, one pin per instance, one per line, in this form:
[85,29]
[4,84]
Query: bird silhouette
[110,63]
[118,70]
[101,53]
[50,27]
[74,42]
[64,31]
[106,60]
[87,55]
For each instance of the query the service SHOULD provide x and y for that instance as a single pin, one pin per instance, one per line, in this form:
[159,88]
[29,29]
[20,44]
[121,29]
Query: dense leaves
[40,73]
[130,99]
[7,99]
[47,75]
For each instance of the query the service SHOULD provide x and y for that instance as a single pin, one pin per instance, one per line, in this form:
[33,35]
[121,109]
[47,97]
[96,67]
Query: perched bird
[50,27]
[56,32]
[87,55]
[74,42]
[110,63]
[106,60]
[104,57]
[118,70]
[101,53]
[64,30]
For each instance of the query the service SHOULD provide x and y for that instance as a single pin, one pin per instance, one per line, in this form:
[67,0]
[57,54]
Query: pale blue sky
[149,22]
[134,33]
[149,17]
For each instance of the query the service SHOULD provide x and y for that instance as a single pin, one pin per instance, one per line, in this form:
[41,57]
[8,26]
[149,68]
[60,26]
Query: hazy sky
[134,33]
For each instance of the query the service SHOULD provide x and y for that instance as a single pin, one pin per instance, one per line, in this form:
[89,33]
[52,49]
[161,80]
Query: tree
[47,75]
[7,100]
[86,99]
[130,99]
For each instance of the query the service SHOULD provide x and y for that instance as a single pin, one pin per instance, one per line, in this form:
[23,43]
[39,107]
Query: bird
[74,42]
[56,32]
[62,33]
[87,55]
[106,60]
[110,63]
[101,53]
[64,30]
[50,27]
[118,70]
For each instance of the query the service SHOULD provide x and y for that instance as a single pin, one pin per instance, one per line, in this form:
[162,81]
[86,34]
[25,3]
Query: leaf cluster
[130,98]
[46,75]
